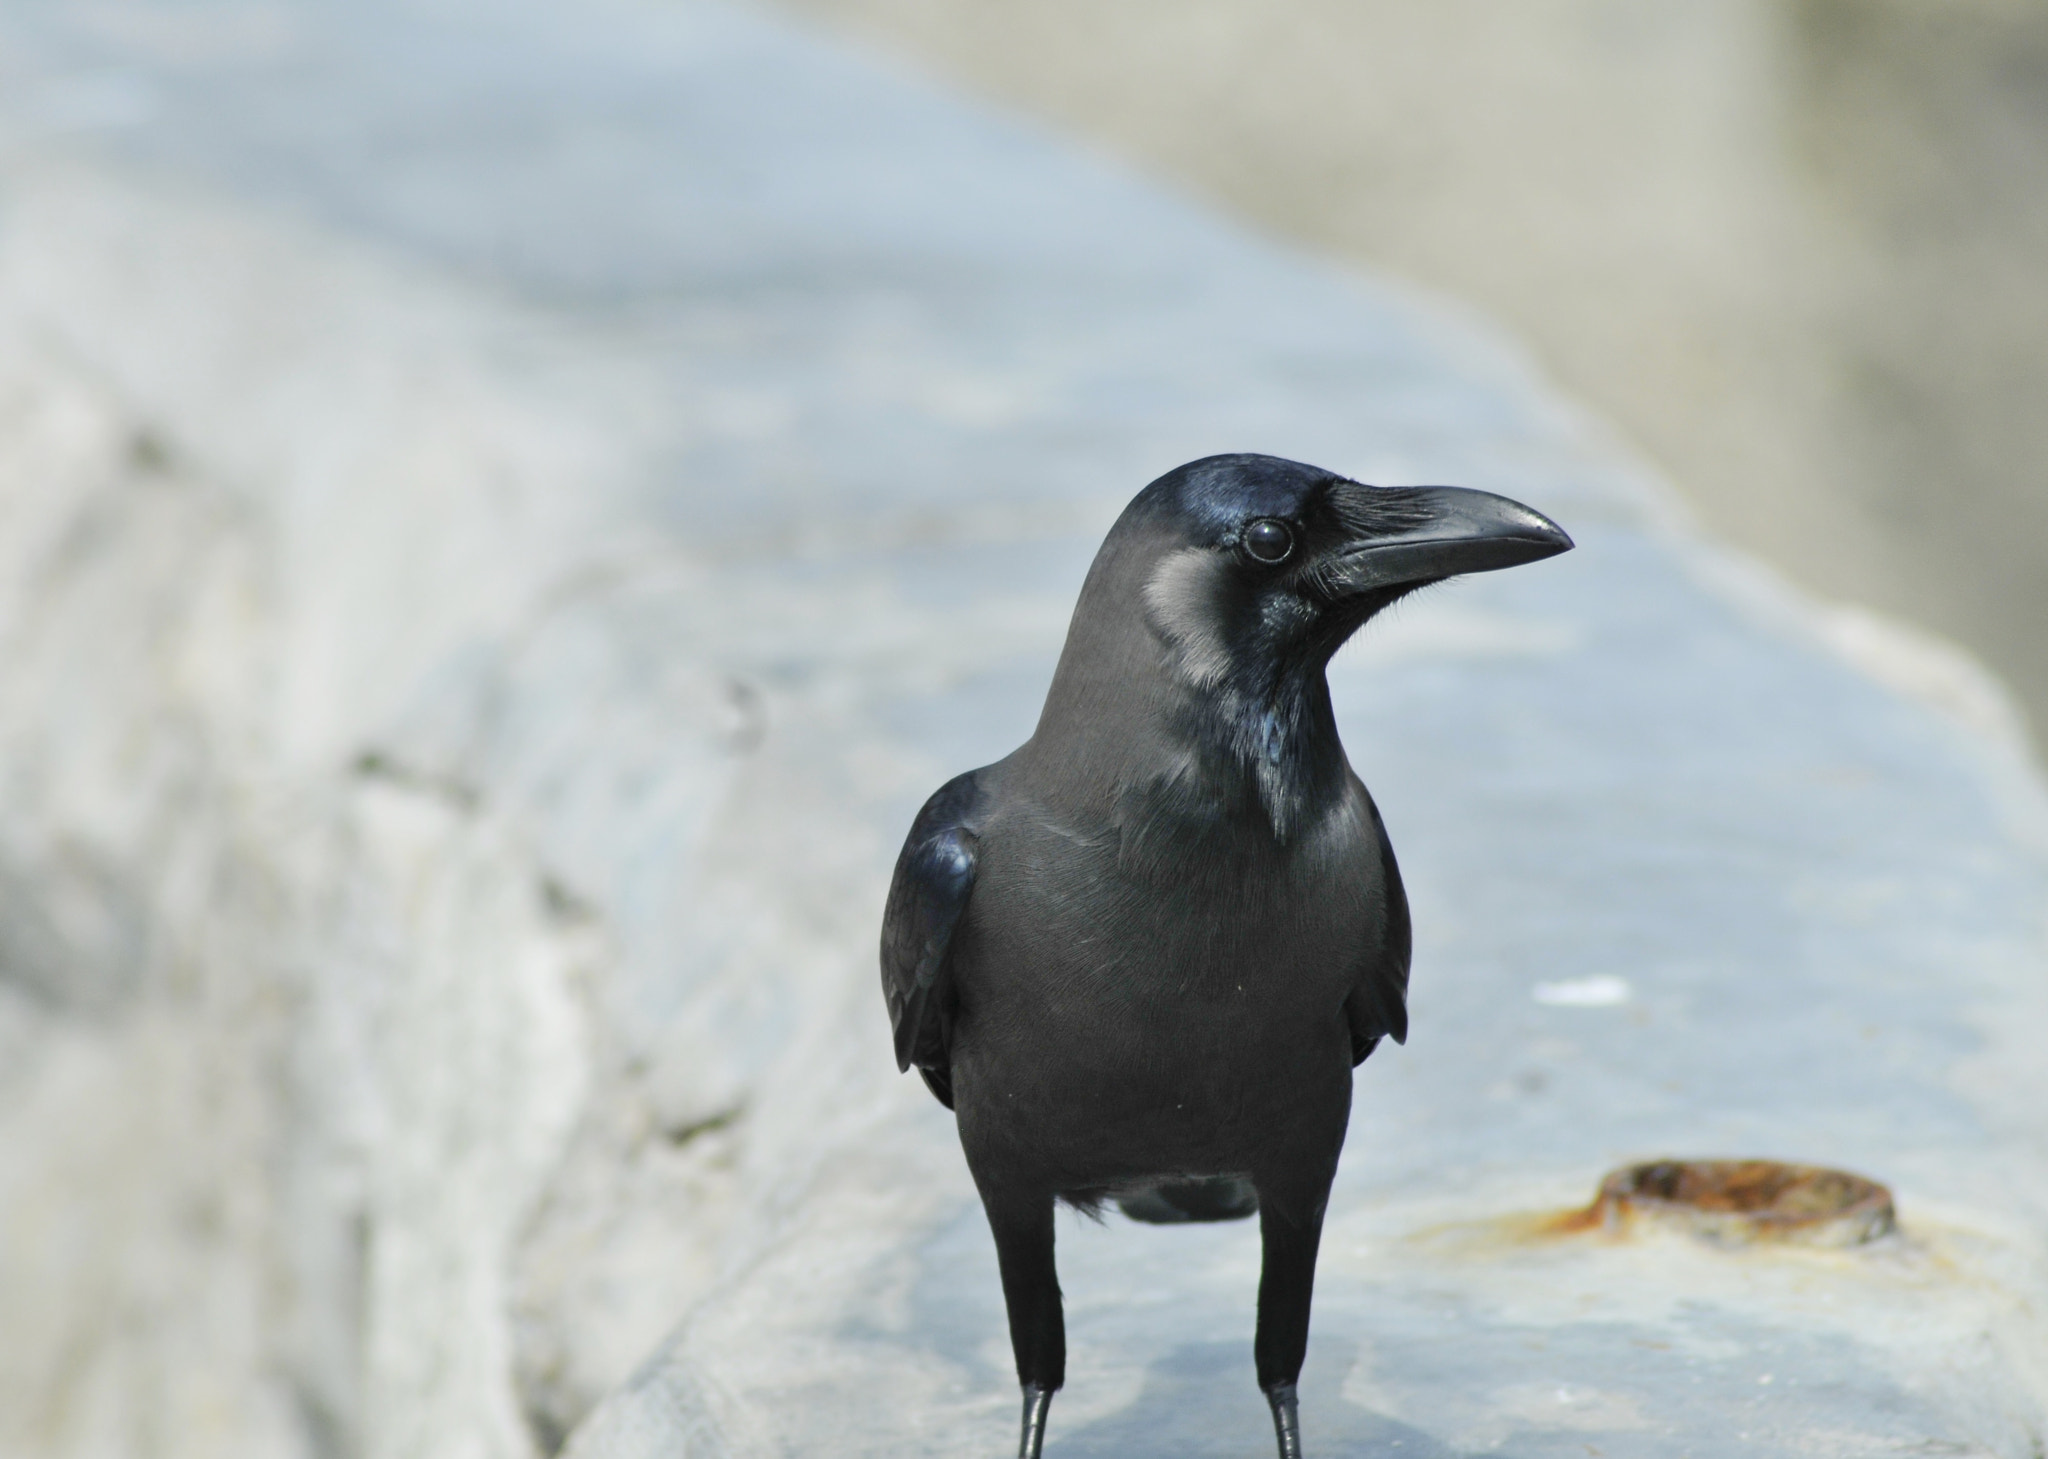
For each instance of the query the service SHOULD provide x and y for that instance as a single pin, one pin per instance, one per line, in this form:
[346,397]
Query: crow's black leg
[1290,1226]
[1022,1224]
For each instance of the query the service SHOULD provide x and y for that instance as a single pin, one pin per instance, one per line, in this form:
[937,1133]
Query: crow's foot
[1037,1402]
[1286,1419]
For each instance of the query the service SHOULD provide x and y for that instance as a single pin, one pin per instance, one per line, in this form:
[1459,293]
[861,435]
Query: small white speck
[1604,991]
[1766,1378]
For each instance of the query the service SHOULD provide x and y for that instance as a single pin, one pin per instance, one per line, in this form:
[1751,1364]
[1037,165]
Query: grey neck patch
[1184,605]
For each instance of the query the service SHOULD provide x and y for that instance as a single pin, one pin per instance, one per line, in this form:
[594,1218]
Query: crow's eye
[1268,541]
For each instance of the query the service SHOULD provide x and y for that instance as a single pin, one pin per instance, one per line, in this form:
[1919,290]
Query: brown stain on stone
[1736,1203]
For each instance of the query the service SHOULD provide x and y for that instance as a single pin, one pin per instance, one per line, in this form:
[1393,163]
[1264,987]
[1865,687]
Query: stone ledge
[494,573]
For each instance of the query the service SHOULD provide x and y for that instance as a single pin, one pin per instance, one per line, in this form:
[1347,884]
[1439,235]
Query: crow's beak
[1447,530]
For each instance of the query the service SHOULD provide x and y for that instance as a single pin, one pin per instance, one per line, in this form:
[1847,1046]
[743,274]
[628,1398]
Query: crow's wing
[1378,1004]
[934,878]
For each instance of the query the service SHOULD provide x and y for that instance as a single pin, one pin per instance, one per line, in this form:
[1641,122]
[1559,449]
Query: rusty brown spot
[1735,1202]
[1571,1223]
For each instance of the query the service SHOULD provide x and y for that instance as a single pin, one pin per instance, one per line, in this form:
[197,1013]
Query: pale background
[1796,249]
[507,508]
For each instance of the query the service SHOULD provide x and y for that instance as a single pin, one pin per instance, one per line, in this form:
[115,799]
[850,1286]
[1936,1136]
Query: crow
[1140,956]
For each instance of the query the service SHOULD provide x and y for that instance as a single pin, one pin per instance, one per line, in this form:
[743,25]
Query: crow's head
[1254,570]
[1215,605]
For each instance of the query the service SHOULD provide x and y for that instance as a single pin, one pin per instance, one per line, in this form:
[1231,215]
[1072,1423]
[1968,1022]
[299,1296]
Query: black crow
[1140,956]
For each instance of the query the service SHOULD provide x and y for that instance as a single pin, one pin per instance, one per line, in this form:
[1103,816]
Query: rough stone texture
[506,513]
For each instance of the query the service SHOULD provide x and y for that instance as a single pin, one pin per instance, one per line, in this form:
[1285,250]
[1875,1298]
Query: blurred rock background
[505,510]
[1797,250]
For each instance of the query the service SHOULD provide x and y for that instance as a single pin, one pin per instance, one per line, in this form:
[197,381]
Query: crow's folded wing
[934,879]
[1378,1005]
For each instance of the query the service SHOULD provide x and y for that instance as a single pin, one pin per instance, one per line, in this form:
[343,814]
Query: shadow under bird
[1140,956]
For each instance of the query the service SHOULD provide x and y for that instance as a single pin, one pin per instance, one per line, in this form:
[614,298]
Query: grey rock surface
[508,511]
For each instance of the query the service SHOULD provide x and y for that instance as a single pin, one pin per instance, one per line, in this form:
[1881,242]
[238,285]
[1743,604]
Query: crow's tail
[1216,1198]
